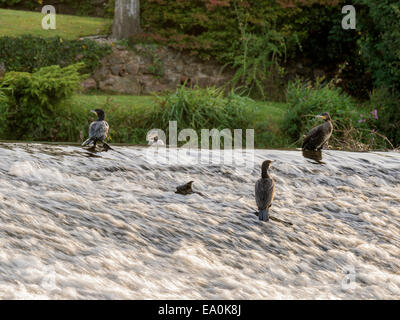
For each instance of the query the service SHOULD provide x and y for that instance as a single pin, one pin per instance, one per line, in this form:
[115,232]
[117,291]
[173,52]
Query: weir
[110,225]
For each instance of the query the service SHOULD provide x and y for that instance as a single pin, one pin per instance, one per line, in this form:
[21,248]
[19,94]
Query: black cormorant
[265,188]
[98,130]
[185,188]
[318,136]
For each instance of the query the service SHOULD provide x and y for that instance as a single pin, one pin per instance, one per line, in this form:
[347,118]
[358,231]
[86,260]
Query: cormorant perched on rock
[265,188]
[98,130]
[185,188]
[318,136]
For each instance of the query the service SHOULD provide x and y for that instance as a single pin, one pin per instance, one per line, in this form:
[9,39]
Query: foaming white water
[78,226]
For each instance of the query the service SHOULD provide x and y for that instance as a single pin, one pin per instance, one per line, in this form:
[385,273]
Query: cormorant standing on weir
[318,136]
[265,188]
[98,130]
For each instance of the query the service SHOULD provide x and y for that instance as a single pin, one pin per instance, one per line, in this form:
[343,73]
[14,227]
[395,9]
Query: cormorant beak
[321,116]
[93,111]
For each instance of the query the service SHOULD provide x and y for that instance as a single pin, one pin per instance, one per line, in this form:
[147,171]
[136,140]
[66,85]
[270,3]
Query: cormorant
[185,188]
[318,136]
[98,130]
[265,188]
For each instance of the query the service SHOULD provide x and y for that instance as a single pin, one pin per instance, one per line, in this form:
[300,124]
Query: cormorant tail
[88,141]
[263,215]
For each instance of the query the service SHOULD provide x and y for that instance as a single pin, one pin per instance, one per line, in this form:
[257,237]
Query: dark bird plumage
[264,190]
[98,130]
[318,136]
[185,188]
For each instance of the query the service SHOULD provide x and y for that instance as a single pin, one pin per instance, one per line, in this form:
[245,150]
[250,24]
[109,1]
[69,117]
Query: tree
[126,18]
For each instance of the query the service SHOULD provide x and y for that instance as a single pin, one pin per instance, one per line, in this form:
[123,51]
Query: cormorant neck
[264,172]
[101,117]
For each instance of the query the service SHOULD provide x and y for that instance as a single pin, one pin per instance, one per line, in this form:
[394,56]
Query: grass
[268,116]
[124,101]
[15,23]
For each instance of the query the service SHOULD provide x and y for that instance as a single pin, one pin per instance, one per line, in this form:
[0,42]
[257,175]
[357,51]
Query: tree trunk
[126,18]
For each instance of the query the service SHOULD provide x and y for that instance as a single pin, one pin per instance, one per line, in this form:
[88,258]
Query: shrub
[209,28]
[256,57]
[351,130]
[29,53]
[380,41]
[33,101]
[202,109]
[82,7]
[387,104]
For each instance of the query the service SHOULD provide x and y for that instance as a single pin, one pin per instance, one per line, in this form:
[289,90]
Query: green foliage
[387,105]
[380,41]
[109,9]
[83,7]
[10,3]
[305,101]
[28,53]
[150,51]
[257,59]
[33,101]
[202,109]
[208,28]
[308,31]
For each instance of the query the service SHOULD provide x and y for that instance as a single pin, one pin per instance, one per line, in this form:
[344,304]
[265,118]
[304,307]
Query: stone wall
[146,69]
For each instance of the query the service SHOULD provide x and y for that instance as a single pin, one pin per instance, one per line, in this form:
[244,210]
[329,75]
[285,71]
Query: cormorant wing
[312,135]
[98,130]
[264,193]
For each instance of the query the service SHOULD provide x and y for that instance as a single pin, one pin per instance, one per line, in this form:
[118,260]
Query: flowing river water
[76,225]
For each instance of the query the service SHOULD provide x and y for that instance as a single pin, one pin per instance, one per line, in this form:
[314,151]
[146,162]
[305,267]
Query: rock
[116,69]
[128,85]
[203,81]
[89,84]
[151,84]
[132,68]
[101,74]
[135,72]
[117,57]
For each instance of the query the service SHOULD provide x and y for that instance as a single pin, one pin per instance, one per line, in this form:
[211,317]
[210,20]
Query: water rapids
[76,225]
